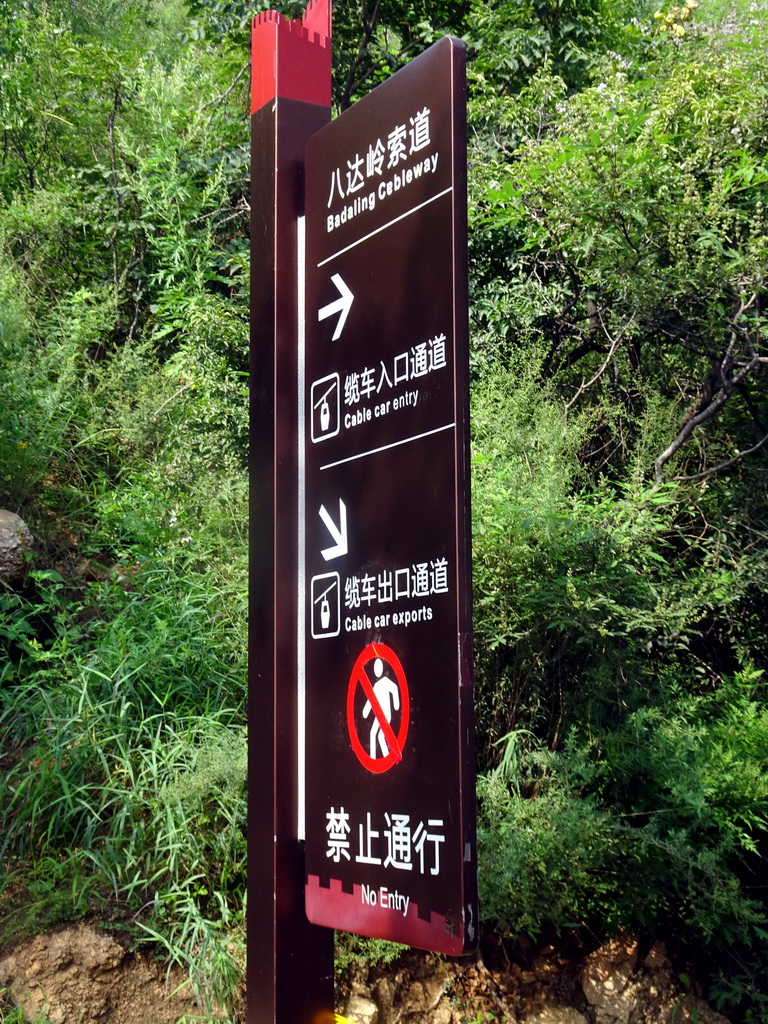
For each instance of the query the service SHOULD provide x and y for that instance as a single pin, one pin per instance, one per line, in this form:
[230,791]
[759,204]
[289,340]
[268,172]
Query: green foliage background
[618,192]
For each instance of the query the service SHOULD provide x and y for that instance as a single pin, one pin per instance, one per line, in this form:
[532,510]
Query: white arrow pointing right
[341,305]
[338,533]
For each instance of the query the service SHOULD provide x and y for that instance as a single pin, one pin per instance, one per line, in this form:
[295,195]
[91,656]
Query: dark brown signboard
[385,567]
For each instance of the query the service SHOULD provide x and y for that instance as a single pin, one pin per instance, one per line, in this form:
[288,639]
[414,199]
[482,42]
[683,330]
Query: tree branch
[723,465]
[220,99]
[615,342]
[369,26]
[495,994]
[720,385]
[706,413]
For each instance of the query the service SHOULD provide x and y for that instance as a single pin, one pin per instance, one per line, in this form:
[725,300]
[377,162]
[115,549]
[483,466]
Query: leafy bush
[670,805]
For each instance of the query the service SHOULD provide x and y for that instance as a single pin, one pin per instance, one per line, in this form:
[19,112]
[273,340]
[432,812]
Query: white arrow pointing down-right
[338,533]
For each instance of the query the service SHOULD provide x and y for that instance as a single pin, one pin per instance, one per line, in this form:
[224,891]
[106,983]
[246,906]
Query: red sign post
[290,962]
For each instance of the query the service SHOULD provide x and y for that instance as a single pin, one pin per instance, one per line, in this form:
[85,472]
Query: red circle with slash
[359,677]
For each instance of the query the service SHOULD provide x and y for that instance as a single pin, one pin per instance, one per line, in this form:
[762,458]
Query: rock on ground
[557,1015]
[622,990]
[15,542]
[615,984]
[78,975]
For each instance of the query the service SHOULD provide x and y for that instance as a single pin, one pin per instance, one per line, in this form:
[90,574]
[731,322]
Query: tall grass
[124,780]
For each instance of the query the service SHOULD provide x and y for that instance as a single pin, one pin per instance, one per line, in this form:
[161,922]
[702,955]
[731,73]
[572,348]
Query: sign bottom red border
[332,907]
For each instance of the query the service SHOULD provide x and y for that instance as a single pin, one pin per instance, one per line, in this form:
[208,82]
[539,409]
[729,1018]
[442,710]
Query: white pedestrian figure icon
[387,693]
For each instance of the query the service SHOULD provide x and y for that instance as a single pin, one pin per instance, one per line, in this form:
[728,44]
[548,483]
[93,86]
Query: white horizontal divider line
[384,447]
[389,224]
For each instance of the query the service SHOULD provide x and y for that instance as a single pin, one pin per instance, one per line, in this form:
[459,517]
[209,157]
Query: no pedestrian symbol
[384,701]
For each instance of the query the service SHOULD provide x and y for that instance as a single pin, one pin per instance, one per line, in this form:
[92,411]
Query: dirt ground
[80,975]
[618,983]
